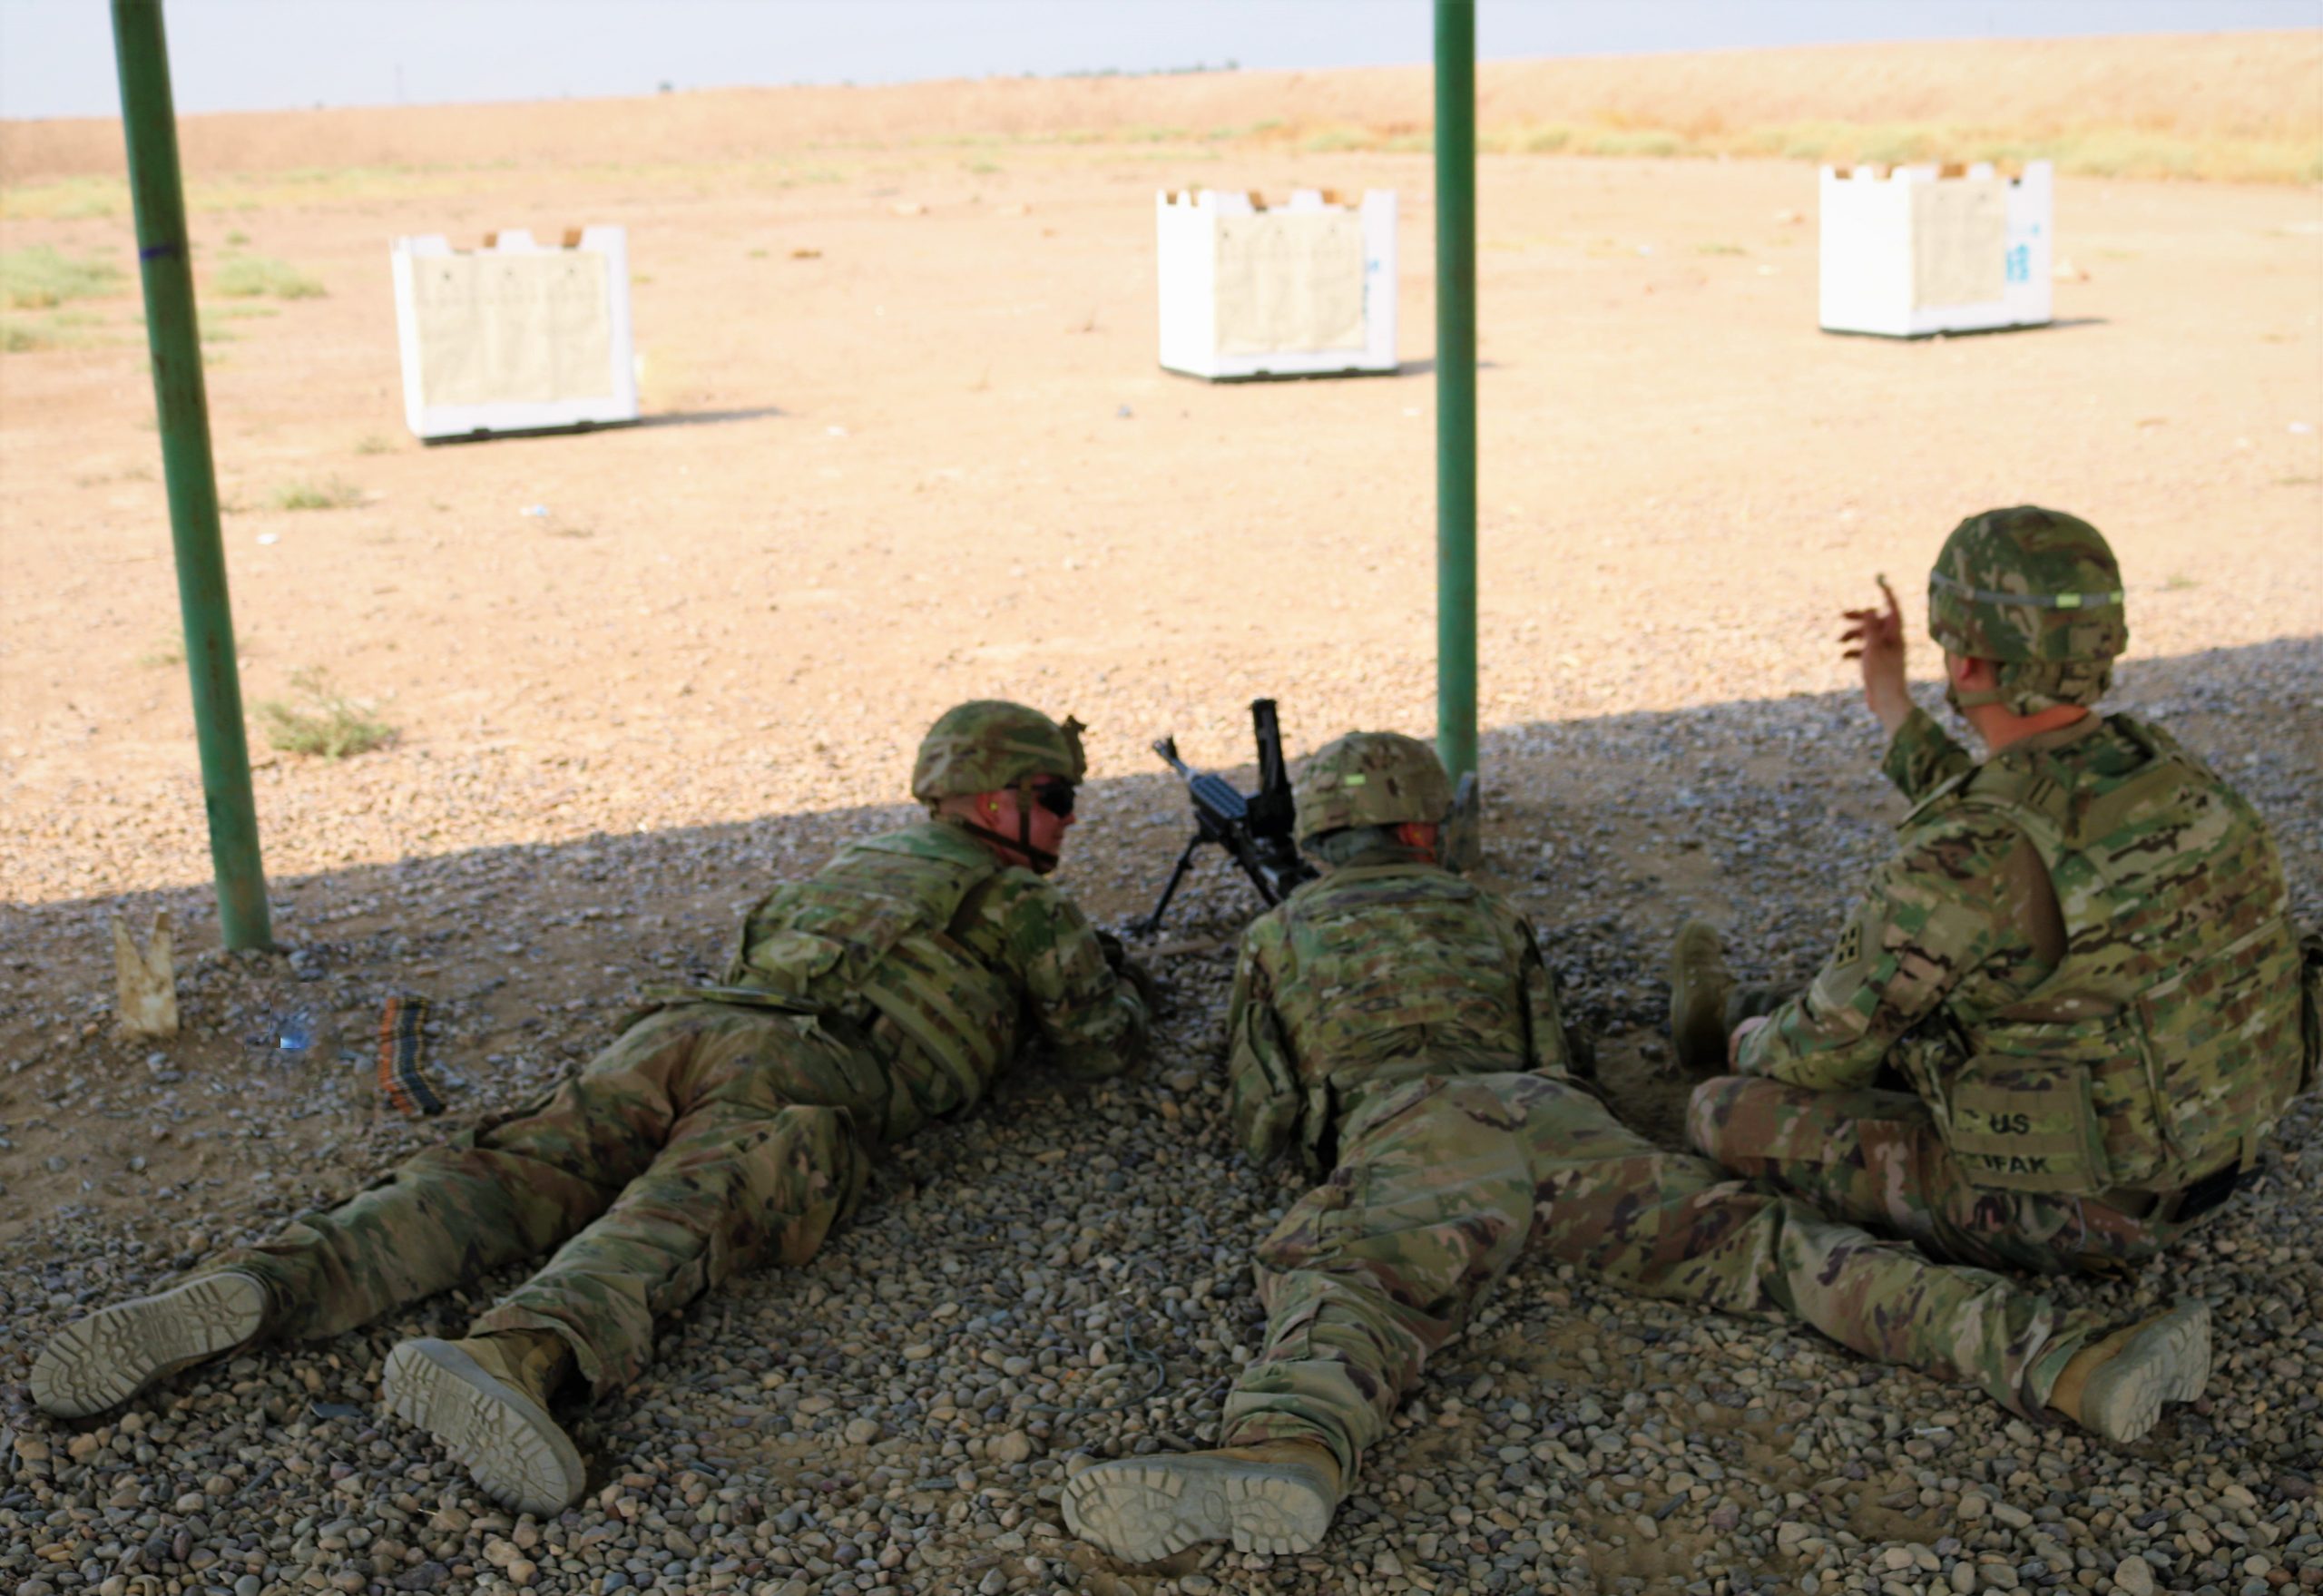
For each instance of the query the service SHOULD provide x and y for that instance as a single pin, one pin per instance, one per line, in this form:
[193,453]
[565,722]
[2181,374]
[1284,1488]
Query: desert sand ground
[906,443]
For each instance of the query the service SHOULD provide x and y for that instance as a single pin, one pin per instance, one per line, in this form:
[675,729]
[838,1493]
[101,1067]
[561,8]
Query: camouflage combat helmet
[2038,592]
[990,744]
[1370,779]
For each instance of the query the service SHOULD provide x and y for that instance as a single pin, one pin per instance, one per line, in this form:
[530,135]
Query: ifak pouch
[2024,1124]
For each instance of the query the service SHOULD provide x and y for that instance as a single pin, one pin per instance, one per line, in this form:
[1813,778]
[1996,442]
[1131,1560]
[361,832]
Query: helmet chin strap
[1043,861]
[1965,701]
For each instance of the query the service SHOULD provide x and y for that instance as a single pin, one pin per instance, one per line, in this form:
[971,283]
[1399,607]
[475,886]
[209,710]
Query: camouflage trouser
[1876,1158]
[1441,1182]
[706,1141]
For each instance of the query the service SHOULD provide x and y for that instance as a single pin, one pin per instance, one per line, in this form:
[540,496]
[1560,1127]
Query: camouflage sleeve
[1093,1023]
[1949,911]
[1922,757]
[1261,1076]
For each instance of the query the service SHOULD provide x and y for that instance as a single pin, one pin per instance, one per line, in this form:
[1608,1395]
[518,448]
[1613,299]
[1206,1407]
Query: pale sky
[56,55]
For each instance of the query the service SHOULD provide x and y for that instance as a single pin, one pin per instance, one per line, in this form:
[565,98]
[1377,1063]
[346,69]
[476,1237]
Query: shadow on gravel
[1763,814]
[1102,1234]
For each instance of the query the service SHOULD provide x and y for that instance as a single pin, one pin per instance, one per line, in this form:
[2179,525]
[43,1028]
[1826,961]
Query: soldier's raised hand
[1874,639]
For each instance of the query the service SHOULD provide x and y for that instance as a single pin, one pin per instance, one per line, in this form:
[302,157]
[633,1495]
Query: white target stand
[515,336]
[1302,289]
[1927,249]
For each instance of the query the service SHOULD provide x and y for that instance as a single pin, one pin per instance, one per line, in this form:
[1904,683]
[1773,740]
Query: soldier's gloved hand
[1140,980]
[1125,968]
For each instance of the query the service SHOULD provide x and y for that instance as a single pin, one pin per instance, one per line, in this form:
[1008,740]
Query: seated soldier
[2065,1018]
[727,1128]
[1397,1026]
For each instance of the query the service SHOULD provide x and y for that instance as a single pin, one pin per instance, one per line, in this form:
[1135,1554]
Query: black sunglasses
[1055,797]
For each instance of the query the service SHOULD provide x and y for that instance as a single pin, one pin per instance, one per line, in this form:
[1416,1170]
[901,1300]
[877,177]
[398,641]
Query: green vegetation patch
[21,336]
[334,492]
[57,330]
[1635,140]
[252,277]
[42,276]
[64,199]
[319,719]
[2095,150]
[163,651]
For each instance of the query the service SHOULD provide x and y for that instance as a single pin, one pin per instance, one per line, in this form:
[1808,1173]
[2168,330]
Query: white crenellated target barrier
[1306,289]
[1926,250]
[515,336]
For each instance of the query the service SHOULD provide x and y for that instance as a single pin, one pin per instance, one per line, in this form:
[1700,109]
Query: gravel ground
[908,446]
[1065,1275]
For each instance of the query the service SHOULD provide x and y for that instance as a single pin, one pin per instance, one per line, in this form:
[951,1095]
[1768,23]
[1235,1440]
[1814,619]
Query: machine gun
[1256,828]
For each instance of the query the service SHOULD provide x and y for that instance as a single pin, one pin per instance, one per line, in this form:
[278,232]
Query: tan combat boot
[485,1398]
[1276,1496]
[106,1359]
[1699,987]
[2115,1387]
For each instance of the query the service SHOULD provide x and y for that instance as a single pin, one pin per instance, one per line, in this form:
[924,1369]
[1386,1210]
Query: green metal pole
[1456,384]
[148,121]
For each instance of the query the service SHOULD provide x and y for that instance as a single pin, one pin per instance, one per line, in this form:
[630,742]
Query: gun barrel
[1167,747]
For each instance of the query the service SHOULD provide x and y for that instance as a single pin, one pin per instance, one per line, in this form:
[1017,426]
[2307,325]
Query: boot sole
[1144,1509]
[2168,1361]
[507,1442]
[106,1359]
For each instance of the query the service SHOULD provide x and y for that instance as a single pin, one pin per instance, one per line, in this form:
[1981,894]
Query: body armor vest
[868,936]
[1397,970]
[2167,1042]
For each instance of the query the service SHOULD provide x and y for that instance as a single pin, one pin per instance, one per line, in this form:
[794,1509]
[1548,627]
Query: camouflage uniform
[2067,1012]
[1398,1026]
[734,1129]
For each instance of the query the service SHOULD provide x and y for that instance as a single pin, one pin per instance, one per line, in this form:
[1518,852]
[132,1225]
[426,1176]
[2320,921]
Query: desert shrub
[64,199]
[320,720]
[1632,142]
[252,277]
[334,492]
[1901,146]
[41,275]
[55,330]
